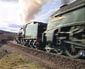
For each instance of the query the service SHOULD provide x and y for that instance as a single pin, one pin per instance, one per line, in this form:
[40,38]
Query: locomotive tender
[65,32]
[31,34]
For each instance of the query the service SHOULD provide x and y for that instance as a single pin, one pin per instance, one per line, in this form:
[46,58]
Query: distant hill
[6,32]
[6,35]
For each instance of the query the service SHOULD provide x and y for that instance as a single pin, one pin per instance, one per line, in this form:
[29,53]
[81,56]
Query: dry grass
[14,61]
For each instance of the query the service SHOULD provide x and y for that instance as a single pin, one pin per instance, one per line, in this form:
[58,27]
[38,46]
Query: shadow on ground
[3,42]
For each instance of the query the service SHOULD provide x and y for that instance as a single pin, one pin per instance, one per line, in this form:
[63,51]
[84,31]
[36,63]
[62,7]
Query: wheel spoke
[48,50]
[73,52]
[58,51]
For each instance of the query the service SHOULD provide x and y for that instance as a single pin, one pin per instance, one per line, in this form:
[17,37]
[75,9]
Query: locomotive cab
[66,30]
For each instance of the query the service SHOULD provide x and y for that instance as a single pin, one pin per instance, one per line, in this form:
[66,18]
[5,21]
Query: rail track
[51,61]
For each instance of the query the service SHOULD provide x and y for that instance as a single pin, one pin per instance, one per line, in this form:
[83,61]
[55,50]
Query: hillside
[4,35]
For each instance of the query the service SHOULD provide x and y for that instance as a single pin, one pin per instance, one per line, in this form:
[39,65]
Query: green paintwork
[31,30]
[73,17]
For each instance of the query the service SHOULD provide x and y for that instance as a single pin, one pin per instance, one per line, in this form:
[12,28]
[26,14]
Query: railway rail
[51,61]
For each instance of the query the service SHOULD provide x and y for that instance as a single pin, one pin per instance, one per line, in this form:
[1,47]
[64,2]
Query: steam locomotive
[64,33]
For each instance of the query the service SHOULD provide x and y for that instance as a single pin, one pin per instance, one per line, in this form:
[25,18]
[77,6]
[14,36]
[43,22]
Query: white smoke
[29,8]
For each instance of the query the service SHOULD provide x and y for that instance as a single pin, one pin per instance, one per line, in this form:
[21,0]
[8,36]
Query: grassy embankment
[13,61]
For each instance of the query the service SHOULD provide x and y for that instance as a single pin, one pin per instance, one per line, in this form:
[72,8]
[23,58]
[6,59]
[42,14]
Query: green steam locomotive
[64,33]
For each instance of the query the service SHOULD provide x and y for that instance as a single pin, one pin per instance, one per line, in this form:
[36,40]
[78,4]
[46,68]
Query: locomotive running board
[76,44]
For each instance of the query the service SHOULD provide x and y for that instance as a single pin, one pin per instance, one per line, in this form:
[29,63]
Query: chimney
[64,3]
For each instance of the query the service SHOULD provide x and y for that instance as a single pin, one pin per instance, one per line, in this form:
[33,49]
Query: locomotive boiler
[65,31]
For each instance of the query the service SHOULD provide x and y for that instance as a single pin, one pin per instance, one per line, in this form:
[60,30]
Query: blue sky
[9,14]
[47,10]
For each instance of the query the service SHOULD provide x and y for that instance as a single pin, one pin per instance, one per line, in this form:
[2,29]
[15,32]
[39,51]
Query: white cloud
[9,14]
[7,28]
[9,11]
[12,29]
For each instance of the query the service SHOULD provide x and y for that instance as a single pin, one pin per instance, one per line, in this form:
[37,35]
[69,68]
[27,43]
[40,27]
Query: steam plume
[29,8]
